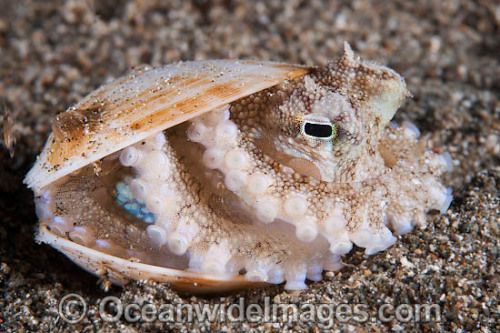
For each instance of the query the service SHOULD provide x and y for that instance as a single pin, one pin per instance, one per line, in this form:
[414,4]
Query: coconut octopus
[215,175]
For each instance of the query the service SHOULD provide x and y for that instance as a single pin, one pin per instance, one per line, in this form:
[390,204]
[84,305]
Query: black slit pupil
[318,130]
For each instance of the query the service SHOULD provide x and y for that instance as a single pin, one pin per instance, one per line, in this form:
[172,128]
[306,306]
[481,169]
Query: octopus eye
[319,130]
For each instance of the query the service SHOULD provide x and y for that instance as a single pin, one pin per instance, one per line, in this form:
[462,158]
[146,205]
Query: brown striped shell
[145,102]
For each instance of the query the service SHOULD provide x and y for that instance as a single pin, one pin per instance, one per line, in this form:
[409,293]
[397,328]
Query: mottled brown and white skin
[222,174]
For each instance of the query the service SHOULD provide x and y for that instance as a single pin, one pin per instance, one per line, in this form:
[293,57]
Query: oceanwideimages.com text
[73,308]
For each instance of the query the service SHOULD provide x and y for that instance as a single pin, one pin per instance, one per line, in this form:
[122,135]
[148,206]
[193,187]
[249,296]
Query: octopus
[216,175]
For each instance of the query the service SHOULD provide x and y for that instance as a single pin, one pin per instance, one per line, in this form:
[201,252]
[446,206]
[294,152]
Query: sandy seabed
[52,53]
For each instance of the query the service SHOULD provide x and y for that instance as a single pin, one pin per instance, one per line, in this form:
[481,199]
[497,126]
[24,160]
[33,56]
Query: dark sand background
[52,53]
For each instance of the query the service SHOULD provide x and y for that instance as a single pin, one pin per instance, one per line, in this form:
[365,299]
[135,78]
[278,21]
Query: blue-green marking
[135,207]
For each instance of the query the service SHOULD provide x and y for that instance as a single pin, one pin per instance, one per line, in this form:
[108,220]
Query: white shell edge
[120,271]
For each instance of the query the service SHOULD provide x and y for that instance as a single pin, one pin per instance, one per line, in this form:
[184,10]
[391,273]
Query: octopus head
[321,125]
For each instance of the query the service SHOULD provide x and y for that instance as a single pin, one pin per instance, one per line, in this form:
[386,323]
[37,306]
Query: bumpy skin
[253,188]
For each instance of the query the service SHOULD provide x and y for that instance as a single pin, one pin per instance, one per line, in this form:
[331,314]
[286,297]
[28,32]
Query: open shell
[129,110]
